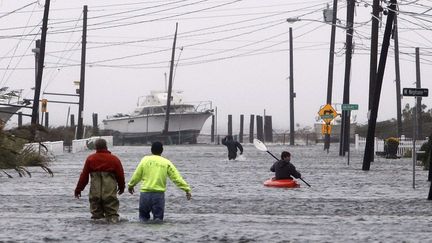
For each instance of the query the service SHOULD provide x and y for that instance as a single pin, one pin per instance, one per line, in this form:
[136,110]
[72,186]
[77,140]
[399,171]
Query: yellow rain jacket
[152,171]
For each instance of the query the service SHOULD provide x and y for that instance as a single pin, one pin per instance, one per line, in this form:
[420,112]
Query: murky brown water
[230,204]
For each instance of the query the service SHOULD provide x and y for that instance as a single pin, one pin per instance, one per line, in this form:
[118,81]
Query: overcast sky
[231,52]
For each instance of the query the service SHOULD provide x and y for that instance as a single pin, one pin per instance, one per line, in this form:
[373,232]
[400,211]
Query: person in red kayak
[284,169]
[107,179]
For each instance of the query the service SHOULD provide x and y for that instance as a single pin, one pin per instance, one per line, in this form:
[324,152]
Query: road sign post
[326,129]
[415,92]
[327,113]
[349,108]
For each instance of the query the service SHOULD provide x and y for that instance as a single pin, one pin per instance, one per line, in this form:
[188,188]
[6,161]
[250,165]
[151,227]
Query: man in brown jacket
[107,178]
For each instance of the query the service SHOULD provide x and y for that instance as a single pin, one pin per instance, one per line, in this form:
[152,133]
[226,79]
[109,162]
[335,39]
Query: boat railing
[118,115]
[203,106]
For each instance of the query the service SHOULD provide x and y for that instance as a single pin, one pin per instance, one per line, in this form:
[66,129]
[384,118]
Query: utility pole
[291,88]
[40,62]
[330,68]
[376,9]
[167,112]
[418,98]
[36,51]
[368,154]
[345,126]
[398,81]
[82,77]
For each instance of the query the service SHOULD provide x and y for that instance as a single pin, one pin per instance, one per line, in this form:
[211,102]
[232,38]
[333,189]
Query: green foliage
[392,141]
[425,148]
[407,154]
[391,145]
[388,128]
[426,157]
[384,129]
[13,154]
[62,133]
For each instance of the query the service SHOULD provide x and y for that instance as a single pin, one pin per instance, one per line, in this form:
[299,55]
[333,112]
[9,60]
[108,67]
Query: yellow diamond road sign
[327,113]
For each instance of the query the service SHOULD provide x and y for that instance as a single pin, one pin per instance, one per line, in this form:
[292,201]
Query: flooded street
[229,202]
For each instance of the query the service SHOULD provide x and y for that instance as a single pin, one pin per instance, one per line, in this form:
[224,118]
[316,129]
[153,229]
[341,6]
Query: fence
[57,147]
[405,144]
[54,148]
[278,138]
[81,144]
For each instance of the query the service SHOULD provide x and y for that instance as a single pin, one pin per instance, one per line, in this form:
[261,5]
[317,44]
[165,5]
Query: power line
[3,82]
[140,9]
[52,76]
[16,10]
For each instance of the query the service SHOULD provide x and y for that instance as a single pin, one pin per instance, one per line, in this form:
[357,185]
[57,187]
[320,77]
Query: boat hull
[183,128]
[286,183]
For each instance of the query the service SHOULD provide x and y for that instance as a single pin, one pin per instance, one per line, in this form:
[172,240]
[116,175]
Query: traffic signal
[44,103]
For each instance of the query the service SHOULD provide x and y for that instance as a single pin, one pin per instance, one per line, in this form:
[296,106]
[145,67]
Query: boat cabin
[183,108]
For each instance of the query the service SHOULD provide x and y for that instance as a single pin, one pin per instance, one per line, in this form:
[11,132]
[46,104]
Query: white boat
[146,123]
[10,103]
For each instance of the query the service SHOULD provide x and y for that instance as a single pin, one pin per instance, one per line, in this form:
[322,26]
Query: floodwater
[229,202]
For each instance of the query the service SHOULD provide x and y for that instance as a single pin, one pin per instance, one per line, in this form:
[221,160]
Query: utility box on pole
[328,14]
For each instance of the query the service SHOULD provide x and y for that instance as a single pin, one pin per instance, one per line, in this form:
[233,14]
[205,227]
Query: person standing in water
[107,179]
[232,146]
[152,172]
[284,169]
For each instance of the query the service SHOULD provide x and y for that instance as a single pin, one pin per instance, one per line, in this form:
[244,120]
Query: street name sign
[349,107]
[327,116]
[415,92]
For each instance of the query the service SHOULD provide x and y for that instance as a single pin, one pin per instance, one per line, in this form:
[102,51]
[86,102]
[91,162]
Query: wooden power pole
[368,154]
[291,88]
[374,49]
[398,81]
[419,99]
[346,120]
[40,62]
[80,128]
[330,68]
[167,112]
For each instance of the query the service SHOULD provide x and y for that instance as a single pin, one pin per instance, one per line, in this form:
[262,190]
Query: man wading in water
[232,147]
[106,172]
[152,172]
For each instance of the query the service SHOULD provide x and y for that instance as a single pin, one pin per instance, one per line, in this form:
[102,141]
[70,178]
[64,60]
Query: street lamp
[292,20]
[296,19]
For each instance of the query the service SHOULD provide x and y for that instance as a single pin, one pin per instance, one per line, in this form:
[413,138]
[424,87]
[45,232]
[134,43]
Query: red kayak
[287,183]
